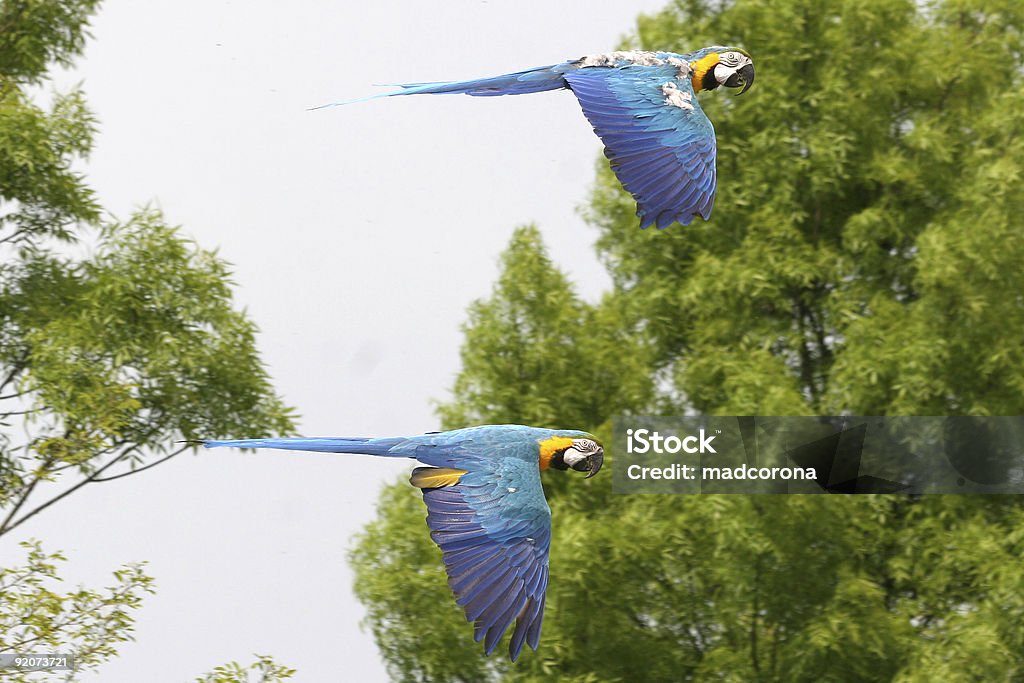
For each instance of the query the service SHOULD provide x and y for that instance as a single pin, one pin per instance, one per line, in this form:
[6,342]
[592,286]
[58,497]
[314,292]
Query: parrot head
[581,454]
[728,66]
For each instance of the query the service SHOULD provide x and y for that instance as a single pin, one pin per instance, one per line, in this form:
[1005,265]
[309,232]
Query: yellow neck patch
[701,68]
[548,448]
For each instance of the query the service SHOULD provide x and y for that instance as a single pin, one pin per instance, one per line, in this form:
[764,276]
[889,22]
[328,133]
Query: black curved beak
[744,76]
[594,462]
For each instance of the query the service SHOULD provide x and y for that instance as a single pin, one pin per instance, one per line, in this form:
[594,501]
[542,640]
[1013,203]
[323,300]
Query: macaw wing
[494,531]
[660,143]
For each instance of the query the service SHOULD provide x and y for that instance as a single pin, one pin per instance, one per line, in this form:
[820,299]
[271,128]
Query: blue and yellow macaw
[485,509]
[642,106]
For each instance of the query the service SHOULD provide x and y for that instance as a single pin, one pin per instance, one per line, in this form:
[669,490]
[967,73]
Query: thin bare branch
[144,468]
[10,413]
[10,525]
[10,376]
[4,527]
[14,236]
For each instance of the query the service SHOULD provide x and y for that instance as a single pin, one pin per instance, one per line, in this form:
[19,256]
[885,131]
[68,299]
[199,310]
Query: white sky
[359,235]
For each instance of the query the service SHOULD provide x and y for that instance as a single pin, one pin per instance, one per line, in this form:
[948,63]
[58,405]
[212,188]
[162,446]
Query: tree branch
[13,237]
[10,376]
[74,619]
[10,413]
[4,528]
[142,469]
[9,526]
[807,374]
[754,658]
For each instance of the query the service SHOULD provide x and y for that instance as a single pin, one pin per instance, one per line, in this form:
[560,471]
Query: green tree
[117,339]
[866,232]
[263,670]
[535,353]
[86,624]
[108,362]
[864,257]
[105,360]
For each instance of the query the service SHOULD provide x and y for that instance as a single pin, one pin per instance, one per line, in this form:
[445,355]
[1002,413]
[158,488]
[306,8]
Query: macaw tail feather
[319,445]
[519,83]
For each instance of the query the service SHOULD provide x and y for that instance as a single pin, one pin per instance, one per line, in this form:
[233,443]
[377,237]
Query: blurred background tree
[117,339]
[865,257]
[263,670]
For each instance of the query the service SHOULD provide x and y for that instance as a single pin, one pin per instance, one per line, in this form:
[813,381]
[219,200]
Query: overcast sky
[358,235]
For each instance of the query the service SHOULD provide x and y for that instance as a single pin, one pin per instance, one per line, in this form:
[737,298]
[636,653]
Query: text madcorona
[721,473]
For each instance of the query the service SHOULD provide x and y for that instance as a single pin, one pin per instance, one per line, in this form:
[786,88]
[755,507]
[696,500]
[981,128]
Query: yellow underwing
[435,477]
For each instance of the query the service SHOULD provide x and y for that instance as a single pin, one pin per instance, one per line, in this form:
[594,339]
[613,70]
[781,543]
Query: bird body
[643,107]
[486,511]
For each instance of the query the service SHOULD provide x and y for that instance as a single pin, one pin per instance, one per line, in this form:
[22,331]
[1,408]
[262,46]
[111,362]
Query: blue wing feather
[494,554]
[663,154]
[534,624]
[493,526]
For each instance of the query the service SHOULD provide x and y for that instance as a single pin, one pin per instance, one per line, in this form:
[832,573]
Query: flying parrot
[642,106]
[486,511]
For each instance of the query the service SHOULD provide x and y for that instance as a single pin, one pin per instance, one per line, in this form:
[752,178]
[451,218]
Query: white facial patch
[728,64]
[622,57]
[674,97]
[723,72]
[732,59]
[573,456]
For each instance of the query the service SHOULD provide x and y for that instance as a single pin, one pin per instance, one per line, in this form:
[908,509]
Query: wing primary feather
[537,620]
[515,645]
[502,612]
[502,622]
[494,545]
[481,595]
[490,605]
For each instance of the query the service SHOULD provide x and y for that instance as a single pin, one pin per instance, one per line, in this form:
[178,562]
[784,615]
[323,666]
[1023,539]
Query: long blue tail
[520,83]
[320,445]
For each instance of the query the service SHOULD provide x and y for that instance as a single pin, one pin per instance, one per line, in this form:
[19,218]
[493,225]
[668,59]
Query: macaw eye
[730,59]
[585,446]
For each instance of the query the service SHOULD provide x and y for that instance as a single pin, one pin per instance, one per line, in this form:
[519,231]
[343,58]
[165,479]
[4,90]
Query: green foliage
[868,215]
[34,34]
[114,357]
[111,350]
[864,257]
[105,360]
[535,353]
[263,670]
[40,192]
[85,623]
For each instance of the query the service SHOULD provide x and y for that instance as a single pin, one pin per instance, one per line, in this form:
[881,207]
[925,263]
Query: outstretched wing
[659,141]
[487,513]
[493,526]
